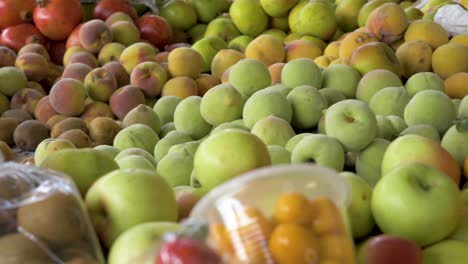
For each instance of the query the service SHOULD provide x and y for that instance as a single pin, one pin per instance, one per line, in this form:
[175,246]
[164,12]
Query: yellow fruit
[293,208]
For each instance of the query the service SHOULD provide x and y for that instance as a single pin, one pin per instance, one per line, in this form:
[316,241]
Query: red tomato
[56,19]
[155,29]
[15,37]
[14,12]
[105,8]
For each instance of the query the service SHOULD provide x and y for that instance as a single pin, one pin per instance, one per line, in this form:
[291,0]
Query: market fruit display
[149,106]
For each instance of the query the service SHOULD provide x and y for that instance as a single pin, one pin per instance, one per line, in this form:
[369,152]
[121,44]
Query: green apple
[227,154]
[424,81]
[398,123]
[136,136]
[343,78]
[418,202]
[359,210]
[316,18]
[446,251]
[136,151]
[265,103]
[240,43]
[108,150]
[223,28]
[273,130]
[321,123]
[197,32]
[249,17]
[374,81]
[279,155]
[208,10]
[188,119]
[302,71]
[461,232]
[228,125]
[422,130]
[277,8]
[332,95]
[455,141]
[249,76]
[135,162]
[133,245]
[187,147]
[352,123]
[125,198]
[280,88]
[292,142]
[389,101]
[319,149]
[165,107]
[276,33]
[221,104]
[208,47]
[176,168]
[180,14]
[172,138]
[440,114]
[463,108]
[48,146]
[307,104]
[187,197]
[166,129]
[369,161]
[385,128]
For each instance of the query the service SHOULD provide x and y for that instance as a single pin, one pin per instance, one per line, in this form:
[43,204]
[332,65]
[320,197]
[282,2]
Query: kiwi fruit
[81,261]
[55,119]
[6,154]
[7,127]
[55,219]
[103,130]
[16,248]
[18,114]
[29,134]
[68,124]
[78,254]
[77,137]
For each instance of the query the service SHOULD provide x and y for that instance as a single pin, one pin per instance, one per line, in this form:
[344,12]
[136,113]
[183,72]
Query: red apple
[155,29]
[390,249]
[187,250]
[56,51]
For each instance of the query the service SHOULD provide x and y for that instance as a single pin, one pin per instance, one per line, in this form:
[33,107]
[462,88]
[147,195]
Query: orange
[219,238]
[293,208]
[328,218]
[293,244]
[456,85]
[336,247]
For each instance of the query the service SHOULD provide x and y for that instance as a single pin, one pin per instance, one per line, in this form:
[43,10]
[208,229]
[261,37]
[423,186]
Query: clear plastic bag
[43,219]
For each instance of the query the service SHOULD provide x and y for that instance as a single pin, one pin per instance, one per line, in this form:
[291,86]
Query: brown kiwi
[142,114]
[56,219]
[68,124]
[18,249]
[29,134]
[55,119]
[7,127]
[6,154]
[18,114]
[77,137]
[103,130]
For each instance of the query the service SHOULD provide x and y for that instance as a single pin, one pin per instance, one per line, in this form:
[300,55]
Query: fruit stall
[233,131]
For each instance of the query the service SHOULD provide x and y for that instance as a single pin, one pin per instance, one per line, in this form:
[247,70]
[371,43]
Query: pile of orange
[301,230]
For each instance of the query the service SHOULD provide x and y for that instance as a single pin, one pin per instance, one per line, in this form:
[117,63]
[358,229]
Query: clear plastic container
[243,217]
[43,218]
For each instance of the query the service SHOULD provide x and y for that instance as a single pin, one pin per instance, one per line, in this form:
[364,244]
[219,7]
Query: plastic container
[43,218]
[243,227]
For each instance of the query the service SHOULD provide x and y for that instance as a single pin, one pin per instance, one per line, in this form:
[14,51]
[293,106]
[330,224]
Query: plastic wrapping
[43,218]
[248,217]
[453,18]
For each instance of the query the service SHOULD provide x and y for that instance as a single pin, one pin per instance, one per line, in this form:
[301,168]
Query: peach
[77,71]
[395,45]
[226,73]
[316,18]
[35,48]
[4,103]
[74,37]
[205,82]
[69,52]
[94,34]
[266,49]
[181,87]
[34,66]
[125,32]
[302,49]
[84,57]
[354,40]
[162,57]
[428,31]
[333,49]
[275,72]
[55,119]
[291,37]
[414,56]
[119,72]
[320,43]
[367,8]
[375,55]
[44,110]
[25,99]
[339,61]
[135,54]
[460,39]
[110,52]
[100,84]
[223,60]
[117,17]
[456,85]
[150,77]
[178,62]
[176,45]
[449,59]
[278,34]
[7,57]
[387,22]
[125,99]
[36,86]
[96,109]
[67,97]
[324,61]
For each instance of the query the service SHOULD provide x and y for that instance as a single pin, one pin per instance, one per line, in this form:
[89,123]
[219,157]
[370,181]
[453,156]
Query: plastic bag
[453,18]
[43,218]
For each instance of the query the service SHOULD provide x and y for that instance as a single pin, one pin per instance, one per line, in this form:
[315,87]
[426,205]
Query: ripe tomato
[56,19]
[17,36]
[14,12]
[105,8]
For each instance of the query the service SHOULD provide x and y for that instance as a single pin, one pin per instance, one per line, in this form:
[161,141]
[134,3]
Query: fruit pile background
[149,106]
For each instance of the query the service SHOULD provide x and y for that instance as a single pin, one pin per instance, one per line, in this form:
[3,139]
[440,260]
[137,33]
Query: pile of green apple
[149,114]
